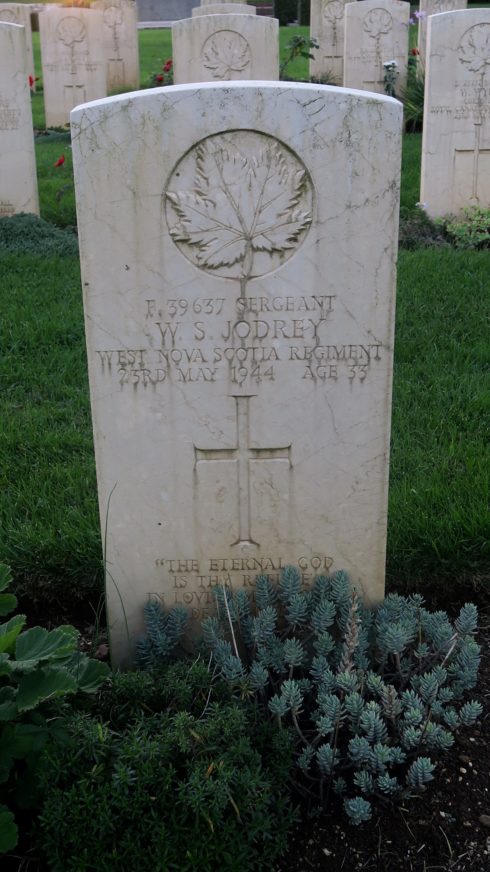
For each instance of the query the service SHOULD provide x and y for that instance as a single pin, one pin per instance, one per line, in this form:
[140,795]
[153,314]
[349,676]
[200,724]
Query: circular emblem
[8,15]
[377,22]
[113,16]
[225,54]
[333,11]
[474,48]
[70,30]
[239,204]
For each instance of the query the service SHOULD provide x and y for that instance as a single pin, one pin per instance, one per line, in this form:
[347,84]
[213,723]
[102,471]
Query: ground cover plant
[167,772]
[438,517]
[368,696]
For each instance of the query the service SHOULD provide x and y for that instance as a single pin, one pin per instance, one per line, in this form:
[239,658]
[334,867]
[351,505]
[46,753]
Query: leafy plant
[165,76]
[178,775]
[469,231]
[298,47]
[390,77]
[36,666]
[412,96]
[369,695]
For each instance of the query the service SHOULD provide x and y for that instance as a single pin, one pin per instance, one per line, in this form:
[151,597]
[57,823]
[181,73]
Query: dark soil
[445,828]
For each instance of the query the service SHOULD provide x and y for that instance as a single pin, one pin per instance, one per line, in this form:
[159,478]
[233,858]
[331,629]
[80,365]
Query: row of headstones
[85,53]
[228,42]
[357,39]
[455,165]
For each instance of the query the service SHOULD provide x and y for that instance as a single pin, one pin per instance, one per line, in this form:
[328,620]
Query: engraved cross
[242,456]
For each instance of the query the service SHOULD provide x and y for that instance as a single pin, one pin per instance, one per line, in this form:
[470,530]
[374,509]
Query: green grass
[49,528]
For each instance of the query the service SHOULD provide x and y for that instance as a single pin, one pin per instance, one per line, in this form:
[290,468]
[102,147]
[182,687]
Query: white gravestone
[73,60]
[376,31]
[121,43]
[220,8]
[240,336]
[18,181]
[433,7]
[224,48]
[327,27]
[456,132]
[20,13]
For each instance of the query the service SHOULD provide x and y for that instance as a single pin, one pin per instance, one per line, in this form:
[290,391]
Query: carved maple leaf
[239,204]
[378,21]
[475,48]
[333,11]
[225,54]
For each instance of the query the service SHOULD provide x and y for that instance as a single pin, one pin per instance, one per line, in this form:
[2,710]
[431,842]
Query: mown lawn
[49,528]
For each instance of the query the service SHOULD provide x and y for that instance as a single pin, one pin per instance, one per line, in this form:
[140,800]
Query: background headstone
[73,60]
[228,3]
[18,181]
[327,27]
[225,47]
[20,13]
[164,10]
[376,31]
[220,8]
[456,131]
[433,7]
[121,43]
[240,336]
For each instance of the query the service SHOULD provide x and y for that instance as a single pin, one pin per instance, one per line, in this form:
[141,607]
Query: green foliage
[417,230]
[164,632]
[36,667]
[28,234]
[368,708]
[167,772]
[297,47]
[412,96]
[469,231]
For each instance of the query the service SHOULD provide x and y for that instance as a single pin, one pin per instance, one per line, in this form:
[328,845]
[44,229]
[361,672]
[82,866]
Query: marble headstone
[456,132]
[73,60]
[327,27]
[239,337]
[20,13]
[121,43]
[220,8]
[18,181]
[376,31]
[217,48]
[433,7]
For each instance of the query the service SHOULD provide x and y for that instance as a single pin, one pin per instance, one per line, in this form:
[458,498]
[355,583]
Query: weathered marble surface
[433,7]
[20,13]
[225,47]
[120,43]
[18,180]
[73,60]
[376,31]
[456,135]
[239,336]
[223,8]
[327,27]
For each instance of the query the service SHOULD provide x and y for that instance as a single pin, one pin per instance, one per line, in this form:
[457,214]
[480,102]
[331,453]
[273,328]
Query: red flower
[414,51]
[158,78]
[60,161]
[168,66]
[31,81]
